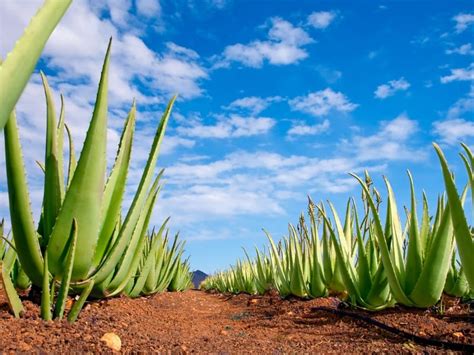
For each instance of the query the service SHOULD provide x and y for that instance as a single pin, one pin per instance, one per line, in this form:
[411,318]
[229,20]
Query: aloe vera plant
[19,64]
[364,277]
[81,239]
[182,279]
[463,234]
[416,279]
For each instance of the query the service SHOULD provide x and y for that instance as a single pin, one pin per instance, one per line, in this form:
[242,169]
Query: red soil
[195,321]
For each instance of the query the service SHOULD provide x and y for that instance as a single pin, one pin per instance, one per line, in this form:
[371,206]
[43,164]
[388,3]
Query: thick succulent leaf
[24,233]
[66,278]
[72,162]
[12,296]
[45,292]
[414,262]
[115,187]
[84,197]
[19,64]
[77,306]
[462,233]
[60,148]
[52,182]
[392,275]
[431,282]
[363,269]
[396,233]
[148,265]
[425,226]
[138,201]
[132,257]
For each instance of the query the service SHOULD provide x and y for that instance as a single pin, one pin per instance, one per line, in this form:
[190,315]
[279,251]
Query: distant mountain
[198,277]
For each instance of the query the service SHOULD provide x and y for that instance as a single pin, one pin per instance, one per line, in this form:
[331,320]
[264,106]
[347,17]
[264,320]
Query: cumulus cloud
[459,74]
[148,8]
[321,103]
[457,127]
[253,104]
[284,45]
[465,49]
[321,19]
[232,126]
[385,90]
[463,21]
[391,142]
[453,131]
[303,129]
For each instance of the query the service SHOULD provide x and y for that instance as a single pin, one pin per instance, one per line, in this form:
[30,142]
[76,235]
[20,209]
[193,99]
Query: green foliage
[375,265]
[16,70]
[82,244]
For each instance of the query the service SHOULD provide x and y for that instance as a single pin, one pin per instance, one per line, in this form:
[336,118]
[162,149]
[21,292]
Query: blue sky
[277,100]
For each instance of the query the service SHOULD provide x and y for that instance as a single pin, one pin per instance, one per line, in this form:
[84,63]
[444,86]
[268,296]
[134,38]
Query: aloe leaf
[138,201]
[45,292]
[84,196]
[12,296]
[16,70]
[414,263]
[396,234]
[432,279]
[131,258]
[52,182]
[24,234]
[77,306]
[66,278]
[72,162]
[60,149]
[115,187]
[460,225]
[392,275]
[149,260]
[363,269]
[425,226]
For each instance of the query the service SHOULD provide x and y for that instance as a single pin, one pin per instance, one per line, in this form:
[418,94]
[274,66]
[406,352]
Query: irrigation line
[401,333]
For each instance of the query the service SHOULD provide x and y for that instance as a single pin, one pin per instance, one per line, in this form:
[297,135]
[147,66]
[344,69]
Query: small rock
[112,340]
[458,335]
[224,332]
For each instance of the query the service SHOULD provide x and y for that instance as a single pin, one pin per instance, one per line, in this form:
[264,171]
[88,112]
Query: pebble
[112,341]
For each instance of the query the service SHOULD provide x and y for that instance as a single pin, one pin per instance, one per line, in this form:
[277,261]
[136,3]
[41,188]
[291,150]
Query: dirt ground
[196,321]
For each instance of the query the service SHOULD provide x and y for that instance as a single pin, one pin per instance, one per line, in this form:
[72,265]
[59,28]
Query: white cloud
[321,103]
[206,191]
[328,74]
[385,90]
[465,49]
[285,45]
[148,8]
[391,142]
[321,19]
[453,131]
[253,104]
[304,129]
[459,74]
[463,21]
[232,126]
[455,128]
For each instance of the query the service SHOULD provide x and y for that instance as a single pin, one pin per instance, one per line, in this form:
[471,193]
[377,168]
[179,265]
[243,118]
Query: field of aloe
[86,248]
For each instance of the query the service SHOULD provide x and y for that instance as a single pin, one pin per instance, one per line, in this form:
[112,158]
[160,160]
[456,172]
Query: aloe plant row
[371,259]
[82,242]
